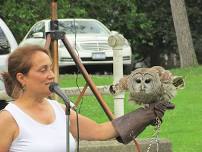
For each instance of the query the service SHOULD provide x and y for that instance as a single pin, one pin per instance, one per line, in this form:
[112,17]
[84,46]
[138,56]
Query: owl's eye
[147,80]
[138,81]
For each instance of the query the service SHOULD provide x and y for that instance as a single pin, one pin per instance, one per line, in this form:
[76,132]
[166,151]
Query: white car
[88,36]
[7,44]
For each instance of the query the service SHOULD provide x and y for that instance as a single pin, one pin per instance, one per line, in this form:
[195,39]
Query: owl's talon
[112,89]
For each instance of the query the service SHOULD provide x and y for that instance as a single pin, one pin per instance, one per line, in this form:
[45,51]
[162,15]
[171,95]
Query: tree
[184,39]
[148,25]
[195,14]
[162,40]
[21,15]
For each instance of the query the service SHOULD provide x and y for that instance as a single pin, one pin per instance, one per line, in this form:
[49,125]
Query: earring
[24,88]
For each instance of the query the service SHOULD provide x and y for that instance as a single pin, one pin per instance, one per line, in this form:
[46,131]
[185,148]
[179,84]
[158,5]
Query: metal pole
[87,78]
[54,55]
[54,43]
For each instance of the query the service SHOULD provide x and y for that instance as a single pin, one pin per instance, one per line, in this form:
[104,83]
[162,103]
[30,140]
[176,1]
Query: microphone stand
[54,88]
[52,42]
[67,113]
[52,38]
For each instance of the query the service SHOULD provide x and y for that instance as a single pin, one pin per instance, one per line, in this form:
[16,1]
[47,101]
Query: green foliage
[163,38]
[15,14]
[148,25]
[21,15]
[163,33]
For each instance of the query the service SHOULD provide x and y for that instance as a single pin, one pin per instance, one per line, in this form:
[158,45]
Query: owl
[149,85]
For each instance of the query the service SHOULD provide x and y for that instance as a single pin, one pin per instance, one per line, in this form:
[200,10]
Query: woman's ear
[21,78]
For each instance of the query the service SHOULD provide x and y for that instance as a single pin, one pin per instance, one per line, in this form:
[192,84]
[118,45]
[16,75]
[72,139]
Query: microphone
[54,87]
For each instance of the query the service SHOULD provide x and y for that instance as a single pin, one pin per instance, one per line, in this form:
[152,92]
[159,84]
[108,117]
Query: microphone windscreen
[52,86]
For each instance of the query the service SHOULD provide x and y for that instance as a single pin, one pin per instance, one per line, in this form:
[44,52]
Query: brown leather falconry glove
[132,124]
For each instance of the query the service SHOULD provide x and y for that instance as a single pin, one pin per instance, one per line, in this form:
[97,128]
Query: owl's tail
[178,82]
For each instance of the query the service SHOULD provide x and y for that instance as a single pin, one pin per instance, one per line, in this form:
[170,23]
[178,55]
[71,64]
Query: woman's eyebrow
[41,67]
[46,65]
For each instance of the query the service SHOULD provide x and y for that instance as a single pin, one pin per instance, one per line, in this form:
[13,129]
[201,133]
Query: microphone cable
[77,127]
[77,112]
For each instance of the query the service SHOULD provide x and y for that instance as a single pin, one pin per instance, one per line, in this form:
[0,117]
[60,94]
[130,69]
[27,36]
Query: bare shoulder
[8,130]
[5,116]
[6,120]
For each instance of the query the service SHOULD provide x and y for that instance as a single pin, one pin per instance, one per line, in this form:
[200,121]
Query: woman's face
[40,76]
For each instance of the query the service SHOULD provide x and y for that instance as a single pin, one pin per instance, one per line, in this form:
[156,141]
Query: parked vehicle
[7,44]
[88,36]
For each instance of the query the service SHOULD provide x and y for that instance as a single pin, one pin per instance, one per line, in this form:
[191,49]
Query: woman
[32,122]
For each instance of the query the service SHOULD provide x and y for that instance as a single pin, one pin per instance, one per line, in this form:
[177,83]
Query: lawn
[181,126]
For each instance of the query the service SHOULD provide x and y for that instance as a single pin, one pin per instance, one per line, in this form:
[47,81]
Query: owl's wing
[169,91]
[122,85]
[165,75]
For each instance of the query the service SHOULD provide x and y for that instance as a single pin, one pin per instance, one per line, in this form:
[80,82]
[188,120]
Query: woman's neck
[26,100]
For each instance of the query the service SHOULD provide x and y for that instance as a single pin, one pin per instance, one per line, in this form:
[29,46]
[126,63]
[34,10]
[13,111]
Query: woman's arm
[90,130]
[7,130]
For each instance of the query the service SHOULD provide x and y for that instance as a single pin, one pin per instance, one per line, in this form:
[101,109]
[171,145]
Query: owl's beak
[142,88]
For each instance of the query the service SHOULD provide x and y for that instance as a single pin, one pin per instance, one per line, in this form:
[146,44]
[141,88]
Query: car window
[39,27]
[82,27]
[4,44]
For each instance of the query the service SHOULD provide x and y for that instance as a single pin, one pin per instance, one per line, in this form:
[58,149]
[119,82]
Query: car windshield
[82,27]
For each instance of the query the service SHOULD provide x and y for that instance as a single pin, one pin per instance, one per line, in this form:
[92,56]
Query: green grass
[181,126]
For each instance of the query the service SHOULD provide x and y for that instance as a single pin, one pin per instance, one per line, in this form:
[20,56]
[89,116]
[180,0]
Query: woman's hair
[19,61]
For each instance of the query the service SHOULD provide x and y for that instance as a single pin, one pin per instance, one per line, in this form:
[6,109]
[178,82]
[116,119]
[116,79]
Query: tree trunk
[184,39]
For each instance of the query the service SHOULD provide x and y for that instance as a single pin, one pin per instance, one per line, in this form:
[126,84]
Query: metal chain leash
[155,136]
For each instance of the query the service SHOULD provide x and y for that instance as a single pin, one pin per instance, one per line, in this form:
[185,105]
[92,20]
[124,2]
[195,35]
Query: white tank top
[36,137]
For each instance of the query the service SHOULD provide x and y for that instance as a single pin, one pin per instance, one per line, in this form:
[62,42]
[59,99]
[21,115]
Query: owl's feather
[148,85]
